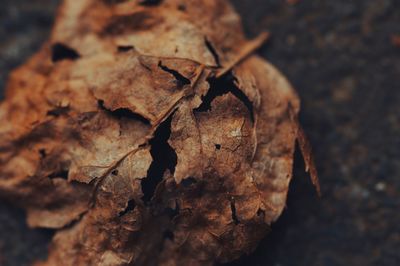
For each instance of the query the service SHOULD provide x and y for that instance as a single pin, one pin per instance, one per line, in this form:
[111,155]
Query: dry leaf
[147,133]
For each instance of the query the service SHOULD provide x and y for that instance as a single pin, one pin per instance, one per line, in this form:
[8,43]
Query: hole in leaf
[42,153]
[212,50]
[130,207]
[114,172]
[150,2]
[123,113]
[180,79]
[60,174]
[124,48]
[164,157]
[58,111]
[220,86]
[233,209]
[60,52]
[245,100]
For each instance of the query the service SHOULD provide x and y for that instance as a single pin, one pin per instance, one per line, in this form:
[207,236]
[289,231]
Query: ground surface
[339,56]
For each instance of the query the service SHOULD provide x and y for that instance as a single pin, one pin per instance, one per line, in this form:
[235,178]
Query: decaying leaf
[147,133]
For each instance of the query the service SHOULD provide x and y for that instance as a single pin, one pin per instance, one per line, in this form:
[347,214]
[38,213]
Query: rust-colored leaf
[147,133]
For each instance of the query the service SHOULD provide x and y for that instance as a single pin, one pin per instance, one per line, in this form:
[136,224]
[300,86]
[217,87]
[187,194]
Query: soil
[342,58]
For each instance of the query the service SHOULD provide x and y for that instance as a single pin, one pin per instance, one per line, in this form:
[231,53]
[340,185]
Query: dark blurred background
[343,58]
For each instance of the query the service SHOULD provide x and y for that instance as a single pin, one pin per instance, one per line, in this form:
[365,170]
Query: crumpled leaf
[146,133]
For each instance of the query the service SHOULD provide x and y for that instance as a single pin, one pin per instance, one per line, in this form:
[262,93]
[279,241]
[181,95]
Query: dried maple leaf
[147,133]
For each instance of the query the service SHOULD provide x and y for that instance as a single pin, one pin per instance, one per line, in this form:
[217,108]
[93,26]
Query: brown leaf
[146,133]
